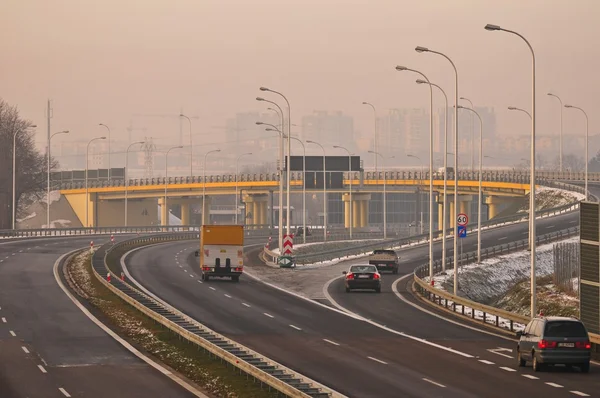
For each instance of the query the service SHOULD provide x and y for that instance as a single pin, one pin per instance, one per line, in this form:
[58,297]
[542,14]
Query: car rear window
[363,268]
[565,329]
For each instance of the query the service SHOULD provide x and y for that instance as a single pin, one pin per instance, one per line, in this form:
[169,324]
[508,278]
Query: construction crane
[170,116]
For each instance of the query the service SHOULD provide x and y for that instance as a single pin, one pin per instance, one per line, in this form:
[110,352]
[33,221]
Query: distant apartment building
[405,131]
[242,132]
[329,128]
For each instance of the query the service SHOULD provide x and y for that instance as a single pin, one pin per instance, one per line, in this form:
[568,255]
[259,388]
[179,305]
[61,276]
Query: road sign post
[286,260]
[462,219]
[462,231]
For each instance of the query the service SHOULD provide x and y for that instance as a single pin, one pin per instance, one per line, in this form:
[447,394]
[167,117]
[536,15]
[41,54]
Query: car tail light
[583,344]
[205,268]
[376,276]
[546,344]
[350,275]
[239,269]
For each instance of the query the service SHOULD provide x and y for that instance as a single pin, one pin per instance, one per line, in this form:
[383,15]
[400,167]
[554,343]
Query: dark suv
[554,340]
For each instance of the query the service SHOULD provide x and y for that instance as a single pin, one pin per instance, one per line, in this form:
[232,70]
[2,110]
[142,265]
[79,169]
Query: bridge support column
[464,202]
[256,207]
[493,203]
[359,208]
[185,214]
[206,209]
[364,213]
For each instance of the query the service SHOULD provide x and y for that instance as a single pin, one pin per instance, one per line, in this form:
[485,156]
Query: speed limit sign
[462,219]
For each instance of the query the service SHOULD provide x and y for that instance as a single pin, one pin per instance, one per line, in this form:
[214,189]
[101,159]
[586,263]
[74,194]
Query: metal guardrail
[275,375]
[490,315]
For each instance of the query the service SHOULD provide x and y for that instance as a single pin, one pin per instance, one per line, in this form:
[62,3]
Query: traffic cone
[108,277]
[122,276]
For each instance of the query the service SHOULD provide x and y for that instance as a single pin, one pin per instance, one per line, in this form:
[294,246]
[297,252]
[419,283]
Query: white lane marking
[65,393]
[330,342]
[21,251]
[212,288]
[495,351]
[551,226]
[269,315]
[185,270]
[572,222]
[228,296]
[486,362]
[13,334]
[191,276]
[502,238]
[25,350]
[581,394]
[532,377]
[507,369]
[434,383]
[525,232]
[3,320]
[14,254]
[295,327]
[377,360]
[29,248]
[1,261]
[42,369]
[199,281]
[554,385]
[247,305]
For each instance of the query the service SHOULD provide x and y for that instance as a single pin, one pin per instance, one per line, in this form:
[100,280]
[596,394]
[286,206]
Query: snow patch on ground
[58,224]
[54,197]
[547,198]
[32,215]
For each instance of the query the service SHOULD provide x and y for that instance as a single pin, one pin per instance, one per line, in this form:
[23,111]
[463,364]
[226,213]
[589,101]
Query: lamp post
[87,199]
[560,140]
[472,133]
[280,228]
[418,190]
[350,179]
[48,178]
[384,197]
[445,205]
[204,207]
[278,114]
[191,147]
[514,108]
[587,131]
[107,128]
[127,174]
[303,188]
[532,182]
[404,68]
[237,165]
[324,191]
[166,209]
[375,137]
[14,175]
[420,49]
[289,149]
[480,194]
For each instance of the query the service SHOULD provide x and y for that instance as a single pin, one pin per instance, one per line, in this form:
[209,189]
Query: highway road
[350,355]
[48,347]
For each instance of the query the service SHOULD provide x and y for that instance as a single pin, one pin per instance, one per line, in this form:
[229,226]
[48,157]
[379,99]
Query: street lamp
[472,133]
[560,155]
[87,199]
[191,147]
[127,174]
[14,176]
[280,229]
[404,68]
[324,191]
[384,197]
[289,150]
[514,108]
[278,114]
[350,180]
[420,49]
[446,153]
[108,128]
[418,190]
[237,164]
[532,182]
[204,207]
[166,208]
[480,195]
[587,131]
[303,188]
[48,182]
[375,137]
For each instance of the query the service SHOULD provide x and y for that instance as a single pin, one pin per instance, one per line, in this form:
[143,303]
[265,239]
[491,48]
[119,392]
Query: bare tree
[30,163]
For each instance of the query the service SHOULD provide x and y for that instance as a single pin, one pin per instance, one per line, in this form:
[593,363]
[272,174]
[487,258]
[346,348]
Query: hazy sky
[102,61]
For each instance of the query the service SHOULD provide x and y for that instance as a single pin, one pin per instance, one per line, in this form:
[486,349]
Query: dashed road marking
[65,393]
[554,385]
[212,288]
[25,350]
[14,254]
[247,305]
[330,342]
[581,394]
[502,238]
[269,315]
[228,296]
[21,251]
[199,281]
[532,377]
[572,222]
[377,360]
[486,362]
[434,383]
[13,334]
[185,269]
[507,369]
[42,369]
[191,276]
[551,226]
[3,320]
[295,327]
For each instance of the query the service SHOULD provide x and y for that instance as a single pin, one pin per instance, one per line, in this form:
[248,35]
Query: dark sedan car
[362,276]
[554,340]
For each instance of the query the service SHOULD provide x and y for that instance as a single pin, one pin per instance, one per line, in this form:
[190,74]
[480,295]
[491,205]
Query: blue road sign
[462,231]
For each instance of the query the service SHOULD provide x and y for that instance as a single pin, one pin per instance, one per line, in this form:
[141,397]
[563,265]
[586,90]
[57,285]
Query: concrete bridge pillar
[256,205]
[164,212]
[206,209]
[185,214]
[493,203]
[359,208]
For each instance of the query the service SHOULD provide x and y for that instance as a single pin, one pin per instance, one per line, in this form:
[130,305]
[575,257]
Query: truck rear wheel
[235,278]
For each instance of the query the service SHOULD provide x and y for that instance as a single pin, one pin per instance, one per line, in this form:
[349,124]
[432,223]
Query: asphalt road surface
[48,347]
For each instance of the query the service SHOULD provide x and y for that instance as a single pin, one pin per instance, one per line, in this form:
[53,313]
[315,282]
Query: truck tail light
[239,269]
